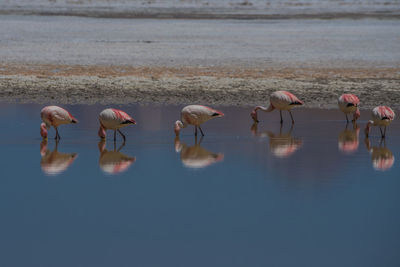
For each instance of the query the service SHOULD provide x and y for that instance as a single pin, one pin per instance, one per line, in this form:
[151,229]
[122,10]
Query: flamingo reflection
[53,162]
[196,157]
[282,145]
[382,157]
[113,162]
[348,139]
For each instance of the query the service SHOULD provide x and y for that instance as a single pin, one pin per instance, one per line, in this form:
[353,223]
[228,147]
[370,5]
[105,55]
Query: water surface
[317,194]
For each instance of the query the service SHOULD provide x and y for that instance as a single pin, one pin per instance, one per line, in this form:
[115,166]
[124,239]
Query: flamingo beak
[253,115]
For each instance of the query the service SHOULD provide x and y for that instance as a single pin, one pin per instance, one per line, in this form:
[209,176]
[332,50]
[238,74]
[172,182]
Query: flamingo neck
[356,115]
[269,109]
[43,130]
[178,126]
[368,128]
[102,132]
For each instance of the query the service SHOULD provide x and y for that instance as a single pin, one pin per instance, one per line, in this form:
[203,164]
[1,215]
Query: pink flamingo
[280,100]
[54,116]
[195,115]
[348,103]
[114,119]
[381,116]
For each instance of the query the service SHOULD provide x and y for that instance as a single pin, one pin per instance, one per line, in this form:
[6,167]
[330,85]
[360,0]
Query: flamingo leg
[202,134]
[291,116]
[280,112]
[347,119]
[57,134]
[123,136]
[115,135]
[381,131]
[195,130]
[384,132]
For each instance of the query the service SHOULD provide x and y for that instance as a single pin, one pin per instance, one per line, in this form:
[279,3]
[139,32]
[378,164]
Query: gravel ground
[60,59]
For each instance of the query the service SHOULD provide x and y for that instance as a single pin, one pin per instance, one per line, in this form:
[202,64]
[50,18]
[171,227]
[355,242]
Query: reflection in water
[113,162]
[348,139]
[54,162]
[196,157]
[282,145]
[382,157]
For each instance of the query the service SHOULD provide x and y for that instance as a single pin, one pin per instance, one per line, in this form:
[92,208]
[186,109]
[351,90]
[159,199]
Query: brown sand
[73,84]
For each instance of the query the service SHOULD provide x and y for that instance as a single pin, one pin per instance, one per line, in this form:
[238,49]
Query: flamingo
[348,103]
[381,116]
[281,100]
[196,115]
[114,119]
[54,116]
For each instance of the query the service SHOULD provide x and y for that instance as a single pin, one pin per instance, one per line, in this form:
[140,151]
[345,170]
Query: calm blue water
[241,197]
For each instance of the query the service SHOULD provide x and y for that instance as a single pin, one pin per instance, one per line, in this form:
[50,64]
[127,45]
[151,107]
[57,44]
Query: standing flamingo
[54,116]
[381,116]
[195,115]
[281,100]
[348,103]
[114,119]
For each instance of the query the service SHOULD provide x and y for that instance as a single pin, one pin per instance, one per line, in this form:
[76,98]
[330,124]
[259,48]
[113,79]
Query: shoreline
[224,86]
[196,14]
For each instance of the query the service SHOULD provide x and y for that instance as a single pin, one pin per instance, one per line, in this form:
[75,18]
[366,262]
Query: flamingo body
[196,115]
[54,116]
[348,104]
[280,100]
[381,116]
[114,119]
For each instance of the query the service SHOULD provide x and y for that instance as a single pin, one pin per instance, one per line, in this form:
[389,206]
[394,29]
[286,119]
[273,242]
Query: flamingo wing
[384,113]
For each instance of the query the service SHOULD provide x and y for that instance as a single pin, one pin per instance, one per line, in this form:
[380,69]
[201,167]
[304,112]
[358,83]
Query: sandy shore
[71,60]
[67,84]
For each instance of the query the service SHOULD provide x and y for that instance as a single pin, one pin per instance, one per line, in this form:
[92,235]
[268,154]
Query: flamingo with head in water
[114,119]
[54,116]
[196,115]
[348,103]
[381,116]
[280,100]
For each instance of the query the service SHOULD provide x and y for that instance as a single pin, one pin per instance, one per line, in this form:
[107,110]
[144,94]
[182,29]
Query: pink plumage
[381,116]
[348,104]
[54,116]
[196,115]
[114,119]
[280,100]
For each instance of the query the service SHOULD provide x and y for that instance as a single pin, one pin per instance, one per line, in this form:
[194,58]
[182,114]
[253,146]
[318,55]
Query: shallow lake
[318,194]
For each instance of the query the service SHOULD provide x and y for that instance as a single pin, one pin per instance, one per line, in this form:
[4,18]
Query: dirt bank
[214,86]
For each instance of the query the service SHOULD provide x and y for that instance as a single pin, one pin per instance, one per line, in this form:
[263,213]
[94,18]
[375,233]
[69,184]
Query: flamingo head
[368,128]
[177,128]
[356,115]
[102,132]
[253,115]
[43,130]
